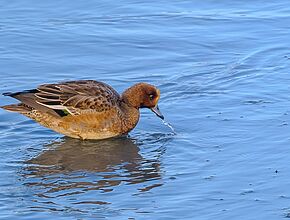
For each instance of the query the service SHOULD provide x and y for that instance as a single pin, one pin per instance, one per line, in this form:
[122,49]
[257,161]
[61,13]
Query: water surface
[223,70]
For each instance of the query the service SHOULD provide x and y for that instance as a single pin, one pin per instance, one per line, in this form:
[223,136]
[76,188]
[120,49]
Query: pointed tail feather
[7,93]
[13,94]
[28,102]
[20,108]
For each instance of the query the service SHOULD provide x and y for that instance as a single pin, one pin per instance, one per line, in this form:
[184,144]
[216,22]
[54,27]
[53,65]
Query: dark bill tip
[157,112]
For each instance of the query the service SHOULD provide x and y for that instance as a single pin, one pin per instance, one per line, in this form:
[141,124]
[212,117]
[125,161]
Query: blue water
[223,71]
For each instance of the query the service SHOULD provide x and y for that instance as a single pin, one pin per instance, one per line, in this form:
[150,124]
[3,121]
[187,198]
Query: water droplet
[169,125]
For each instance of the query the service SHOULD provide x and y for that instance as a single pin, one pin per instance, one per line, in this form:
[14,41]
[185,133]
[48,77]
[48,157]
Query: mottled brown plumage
[86,109]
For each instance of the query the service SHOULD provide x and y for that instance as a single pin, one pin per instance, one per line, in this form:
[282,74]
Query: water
[223,71]
[169,125]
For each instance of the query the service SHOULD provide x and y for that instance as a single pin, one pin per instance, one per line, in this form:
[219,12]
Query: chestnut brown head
[143,95]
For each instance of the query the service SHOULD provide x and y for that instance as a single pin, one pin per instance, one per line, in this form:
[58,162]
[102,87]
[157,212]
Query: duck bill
[156,110]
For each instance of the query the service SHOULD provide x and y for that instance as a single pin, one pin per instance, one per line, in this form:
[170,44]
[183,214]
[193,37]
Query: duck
[86,109]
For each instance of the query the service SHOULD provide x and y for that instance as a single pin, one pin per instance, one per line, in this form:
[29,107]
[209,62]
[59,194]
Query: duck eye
[151,97]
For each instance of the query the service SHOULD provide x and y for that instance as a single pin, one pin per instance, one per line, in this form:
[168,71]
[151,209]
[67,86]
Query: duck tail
[14,94]
[20,108]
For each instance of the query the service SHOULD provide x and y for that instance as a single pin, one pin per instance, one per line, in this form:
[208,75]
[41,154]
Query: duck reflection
[74,166]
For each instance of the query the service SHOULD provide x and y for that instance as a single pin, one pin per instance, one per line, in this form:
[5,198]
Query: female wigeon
[86,109]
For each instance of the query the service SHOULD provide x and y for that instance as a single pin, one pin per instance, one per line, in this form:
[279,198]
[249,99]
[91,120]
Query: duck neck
[131,96]
[131,116]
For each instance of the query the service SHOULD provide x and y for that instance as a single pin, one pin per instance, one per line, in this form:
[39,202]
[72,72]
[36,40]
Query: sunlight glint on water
[169,125]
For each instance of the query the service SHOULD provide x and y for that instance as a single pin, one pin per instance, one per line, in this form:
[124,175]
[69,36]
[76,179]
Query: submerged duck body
[86,109]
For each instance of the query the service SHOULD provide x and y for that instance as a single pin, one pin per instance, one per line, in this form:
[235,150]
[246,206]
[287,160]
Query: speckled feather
[78,96]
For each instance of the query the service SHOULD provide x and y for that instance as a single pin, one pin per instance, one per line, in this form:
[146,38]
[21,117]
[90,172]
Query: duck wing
[77,97]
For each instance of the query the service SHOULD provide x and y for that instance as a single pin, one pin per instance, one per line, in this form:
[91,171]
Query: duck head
[143,95]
